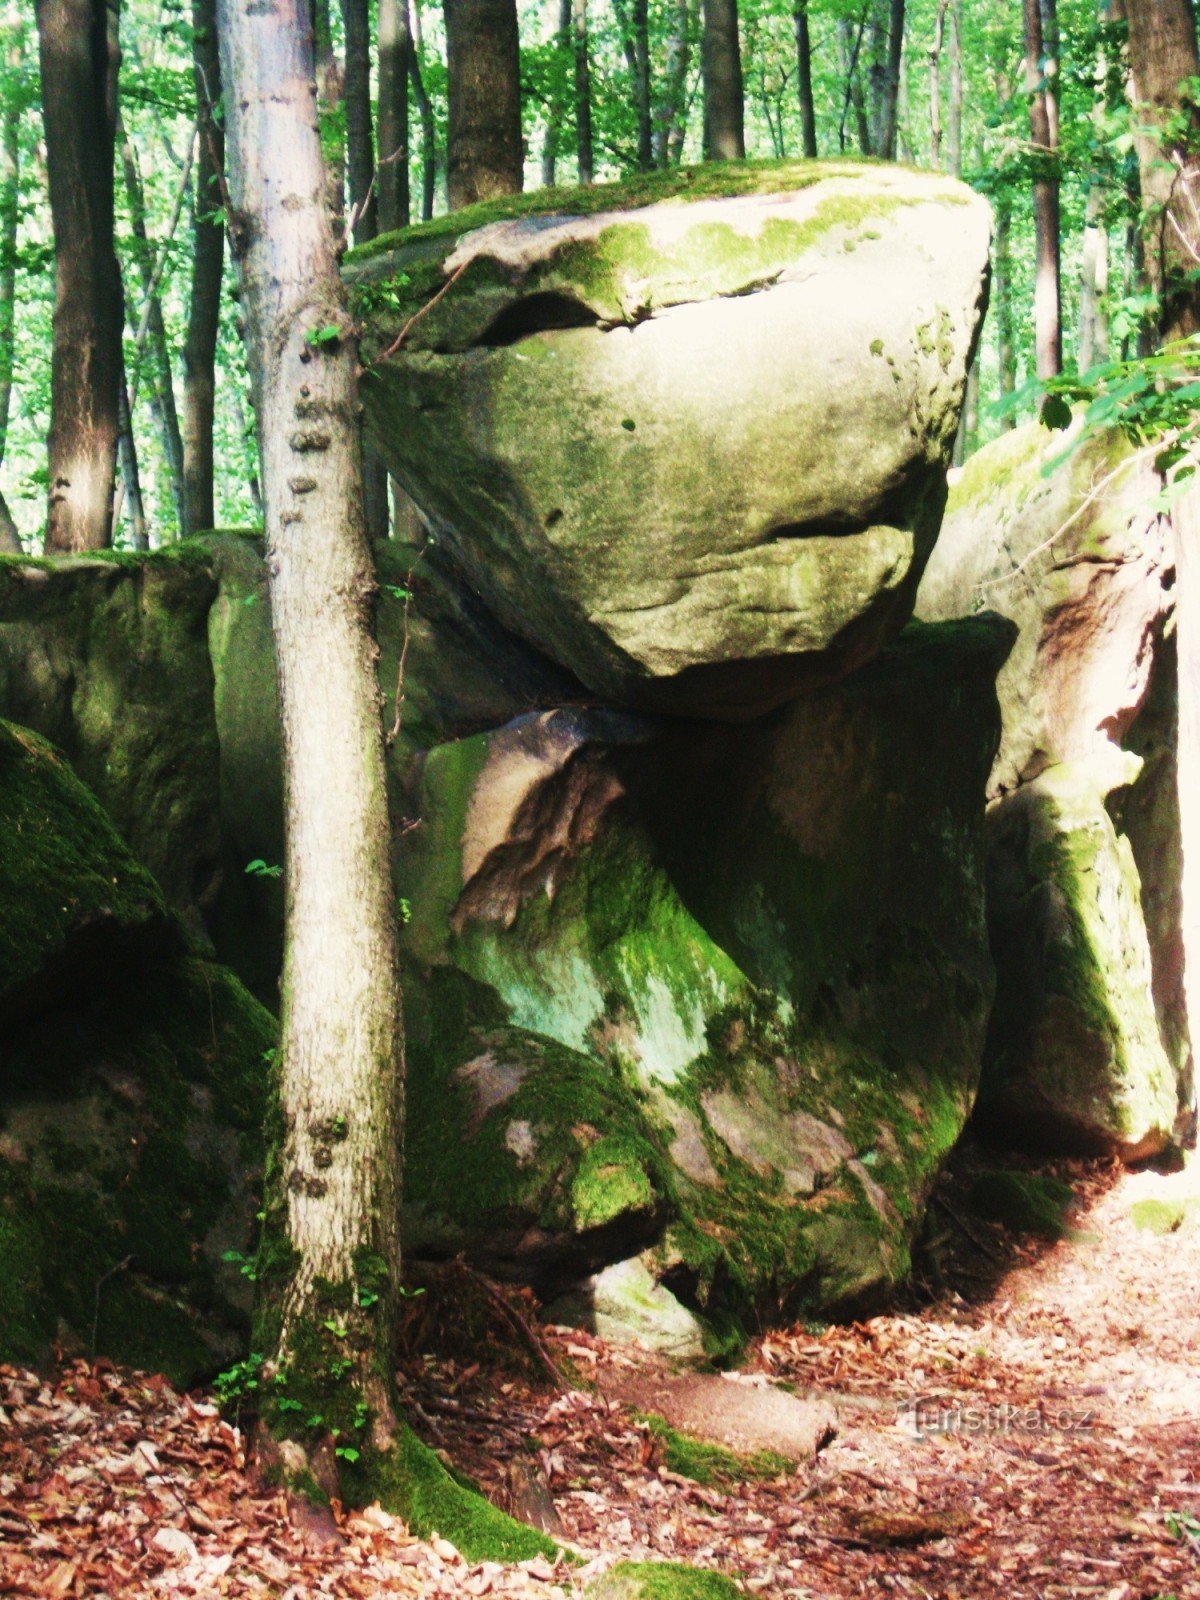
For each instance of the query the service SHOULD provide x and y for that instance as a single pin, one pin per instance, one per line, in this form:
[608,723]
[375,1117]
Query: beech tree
[724,94]
[484,150]
[1041,66]
[208,264]
[80,55]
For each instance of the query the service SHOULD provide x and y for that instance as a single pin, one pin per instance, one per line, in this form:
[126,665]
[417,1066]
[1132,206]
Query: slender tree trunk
[1040,71]
[668,127]
[248,436]
[425,114]
[79,58]
[889,110]
[1093,286]
[395,52]
[334,1203]
[10,197]
[584,151]
[935,85]
[554,115]
[954,117]
[130,477]
[1162,56]
[641,86]
[1006,358]
[850,42]
[804,80]
[330,93]
[208,266]
[724,95]
[484,155]
[162,381]
[360,140]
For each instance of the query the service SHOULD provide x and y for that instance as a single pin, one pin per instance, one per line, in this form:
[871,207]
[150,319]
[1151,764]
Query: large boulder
[1088,1045]
[132,1081]
[686,435]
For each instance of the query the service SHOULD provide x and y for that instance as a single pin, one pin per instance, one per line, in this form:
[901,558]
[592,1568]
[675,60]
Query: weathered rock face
[1088,1043]
[692,447]
[131,1093]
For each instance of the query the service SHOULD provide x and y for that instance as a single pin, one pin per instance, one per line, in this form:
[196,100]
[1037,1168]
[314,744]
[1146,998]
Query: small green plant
[258,868]
[236,1382]
[245,1264]
[404,910]
[330,333]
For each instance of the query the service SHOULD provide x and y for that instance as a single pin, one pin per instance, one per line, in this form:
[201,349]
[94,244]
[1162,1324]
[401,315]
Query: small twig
[100,1282]
[518,1322]
[428,306]
[394,731]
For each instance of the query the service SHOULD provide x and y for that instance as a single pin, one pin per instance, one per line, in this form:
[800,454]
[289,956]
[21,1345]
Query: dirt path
[1034,1434]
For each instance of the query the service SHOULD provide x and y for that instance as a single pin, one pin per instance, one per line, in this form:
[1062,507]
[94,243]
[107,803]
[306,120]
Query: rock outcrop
[687,437]
[1088,1044]
[131,1095]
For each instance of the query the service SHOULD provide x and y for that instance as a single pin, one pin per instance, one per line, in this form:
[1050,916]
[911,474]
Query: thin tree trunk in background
[130,477]
[804,82]
[10,194]
[162,381]
[641,53]
[79,57]
[850,43]
[426,117]
[360,139]
[484,151]
[954,110]
[395,51]
[1163,55]
[1006,357]
[554,116]
[329,82]
[248,435]
[334,1203]
[724,95]
[584,151]
[889,110]
[935,85]
[1040,69]
[668,129]
[208,266]
[1093,286]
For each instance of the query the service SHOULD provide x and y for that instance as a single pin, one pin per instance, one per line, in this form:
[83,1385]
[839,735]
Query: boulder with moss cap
[688,436]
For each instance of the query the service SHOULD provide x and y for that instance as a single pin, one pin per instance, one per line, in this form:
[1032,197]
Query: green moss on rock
[661,1580]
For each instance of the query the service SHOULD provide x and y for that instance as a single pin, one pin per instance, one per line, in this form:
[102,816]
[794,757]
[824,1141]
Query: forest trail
[1033,1432]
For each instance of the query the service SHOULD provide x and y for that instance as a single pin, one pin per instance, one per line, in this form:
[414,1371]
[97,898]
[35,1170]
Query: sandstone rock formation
[1088,1044]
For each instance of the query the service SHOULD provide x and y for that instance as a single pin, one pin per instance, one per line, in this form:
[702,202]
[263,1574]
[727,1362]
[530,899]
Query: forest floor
[1033,1430]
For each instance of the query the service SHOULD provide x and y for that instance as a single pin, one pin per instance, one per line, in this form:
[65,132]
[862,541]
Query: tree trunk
[889,110]
[1006,359]
[668,131]
[935,85]
[208,265]
[130,477]
[360,140]
[484,151]
[954,118]
[425,113]
[563,53]
[330,92]
[10,208]
[332,1210]
[850,43]
[79,58]
[162,382]
[804,81]
[395,50]
[1162,56]
[724,96]
[641,85]
[1040,73]
[1093,286]
[584,151]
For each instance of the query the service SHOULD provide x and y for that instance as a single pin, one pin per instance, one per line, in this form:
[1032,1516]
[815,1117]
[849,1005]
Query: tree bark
[1162,55]
[428,123]
[1041,67]
[563,53]
[724,94]
[890,105]
[130,476]
[641,85]
[333,1205]
[669,130]
[10,197]
[1006,359]
[162,381]
[954,118]
[79,57]
[208,266]
[804,81]
[484,151]
[584,149]
[395,50]
[850,44]
[360,139]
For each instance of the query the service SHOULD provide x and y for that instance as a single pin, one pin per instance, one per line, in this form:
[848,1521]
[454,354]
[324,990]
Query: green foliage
[712,1464]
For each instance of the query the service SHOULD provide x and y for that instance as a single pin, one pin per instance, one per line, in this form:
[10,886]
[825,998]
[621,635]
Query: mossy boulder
[1088,1046]
[107,657]
[131,1077]
[661,1580]
[688,438]
[713,998]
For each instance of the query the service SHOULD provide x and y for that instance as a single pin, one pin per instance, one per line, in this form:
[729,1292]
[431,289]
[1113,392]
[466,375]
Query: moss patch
[1025,1202]
[1161,1217]
[712,1464]
[662,1580]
